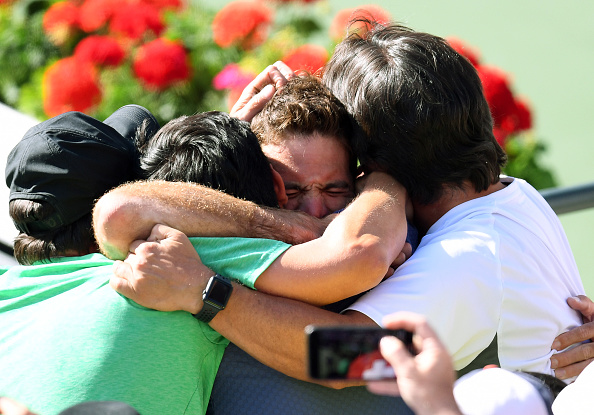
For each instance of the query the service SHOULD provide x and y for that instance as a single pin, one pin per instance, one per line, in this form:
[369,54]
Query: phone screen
[350,352]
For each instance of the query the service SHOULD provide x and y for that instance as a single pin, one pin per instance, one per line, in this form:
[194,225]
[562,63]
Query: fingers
[11,407]
[251,103]
[424,338]
[119,280]
[389,388]
[260,91]
[571,362]
[284,69]
[389,272]
[394,351]
[160,232]
[402,256]
[584,305]
[577,335]
[405,320]
[571,370]
[407,250]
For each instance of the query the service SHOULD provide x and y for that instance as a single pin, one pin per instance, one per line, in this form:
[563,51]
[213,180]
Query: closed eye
[338,192]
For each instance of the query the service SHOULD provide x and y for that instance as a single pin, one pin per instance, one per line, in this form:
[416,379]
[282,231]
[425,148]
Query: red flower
[309,58]
[166,4]
[70,85]
[524,115]
[60,21]
[340,23]
[508,118]
[497,91]
[463,49]
[232,77]
[242,22]
[100,50]
[133,20]
[161,63]
[94,14]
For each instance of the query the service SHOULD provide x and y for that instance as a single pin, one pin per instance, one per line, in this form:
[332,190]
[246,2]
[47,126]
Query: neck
[80,252]
[427,215]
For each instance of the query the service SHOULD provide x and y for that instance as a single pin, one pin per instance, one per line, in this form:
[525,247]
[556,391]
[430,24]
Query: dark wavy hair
[422,107]
[212,149]
[304,106]
[76,237]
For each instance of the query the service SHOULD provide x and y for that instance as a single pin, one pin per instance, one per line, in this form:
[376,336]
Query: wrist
[291,227]
[194,299]
[214,297]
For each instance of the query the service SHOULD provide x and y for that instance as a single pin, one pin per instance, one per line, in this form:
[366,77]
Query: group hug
[174,269]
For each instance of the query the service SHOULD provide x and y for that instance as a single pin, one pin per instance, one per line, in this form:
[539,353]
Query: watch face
[218,293]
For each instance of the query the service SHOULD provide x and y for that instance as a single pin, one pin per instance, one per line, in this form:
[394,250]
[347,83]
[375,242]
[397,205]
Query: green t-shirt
[67,337]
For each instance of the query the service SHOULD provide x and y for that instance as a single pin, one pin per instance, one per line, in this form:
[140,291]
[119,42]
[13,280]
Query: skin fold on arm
[268,327]
[129,212]
[353,254]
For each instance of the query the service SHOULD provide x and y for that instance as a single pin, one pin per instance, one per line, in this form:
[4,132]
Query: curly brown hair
[305,106]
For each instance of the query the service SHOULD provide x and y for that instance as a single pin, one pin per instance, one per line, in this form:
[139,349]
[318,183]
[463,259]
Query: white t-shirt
[497,265]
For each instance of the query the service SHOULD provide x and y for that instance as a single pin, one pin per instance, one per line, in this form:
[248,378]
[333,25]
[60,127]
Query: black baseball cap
[71,160]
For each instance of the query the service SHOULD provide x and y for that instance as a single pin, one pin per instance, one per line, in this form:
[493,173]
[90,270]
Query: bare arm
[129,212]
[165,273]
[352,256]
[272,329]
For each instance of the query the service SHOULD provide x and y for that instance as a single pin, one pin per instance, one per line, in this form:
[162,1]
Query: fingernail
[560,373]
[268,89]
[388,344]
[578,299]
[554,363]
[556,345]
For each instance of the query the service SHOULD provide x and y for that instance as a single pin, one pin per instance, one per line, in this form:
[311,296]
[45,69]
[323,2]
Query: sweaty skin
[315,171]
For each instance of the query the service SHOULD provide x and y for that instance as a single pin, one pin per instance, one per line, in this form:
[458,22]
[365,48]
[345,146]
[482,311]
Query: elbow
[113,216]
[372,259]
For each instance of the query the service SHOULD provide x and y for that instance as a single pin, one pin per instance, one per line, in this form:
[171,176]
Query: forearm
[129,212]
[272,329]
[353,255]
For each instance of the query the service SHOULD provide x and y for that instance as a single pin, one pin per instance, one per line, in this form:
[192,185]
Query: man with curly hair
[494,267]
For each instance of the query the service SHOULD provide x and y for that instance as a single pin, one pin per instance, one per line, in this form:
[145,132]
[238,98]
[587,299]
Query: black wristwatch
[214,297]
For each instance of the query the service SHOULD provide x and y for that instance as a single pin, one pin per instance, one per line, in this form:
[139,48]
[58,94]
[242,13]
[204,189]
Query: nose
[314,206]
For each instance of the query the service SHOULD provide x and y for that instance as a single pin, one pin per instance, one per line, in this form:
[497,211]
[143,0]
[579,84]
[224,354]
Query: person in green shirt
[65,336]
[92,344]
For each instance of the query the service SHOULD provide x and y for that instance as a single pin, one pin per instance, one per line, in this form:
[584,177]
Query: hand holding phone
[351,352]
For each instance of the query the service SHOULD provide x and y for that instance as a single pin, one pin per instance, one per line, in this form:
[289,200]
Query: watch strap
[209,311]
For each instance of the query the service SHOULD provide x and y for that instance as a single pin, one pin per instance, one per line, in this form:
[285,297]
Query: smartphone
[350,352]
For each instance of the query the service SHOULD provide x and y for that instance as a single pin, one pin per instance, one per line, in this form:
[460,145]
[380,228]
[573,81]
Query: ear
[279,188]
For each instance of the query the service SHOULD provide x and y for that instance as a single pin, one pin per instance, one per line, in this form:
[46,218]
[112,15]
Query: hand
[399,260]
[163,272]
[571,362]
[402,256]
[11,407]
[260,91]
[424,381]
